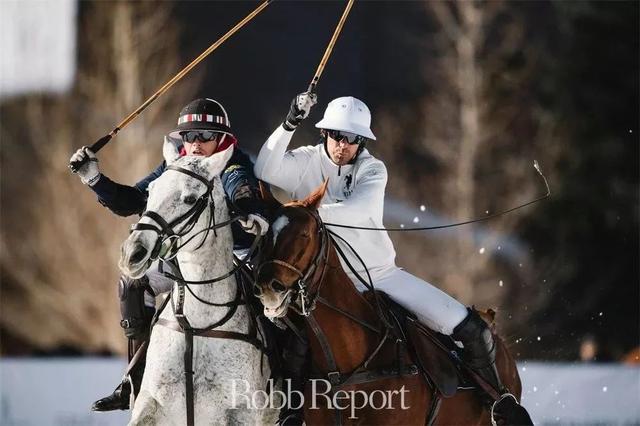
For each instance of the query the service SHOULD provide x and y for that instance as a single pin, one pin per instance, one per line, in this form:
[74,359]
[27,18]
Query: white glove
[299,110]
[254,224]
[89,172]
[305,101]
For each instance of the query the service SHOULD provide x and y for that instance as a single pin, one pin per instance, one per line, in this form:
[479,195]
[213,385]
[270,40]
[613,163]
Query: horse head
[175,205]
[290,260]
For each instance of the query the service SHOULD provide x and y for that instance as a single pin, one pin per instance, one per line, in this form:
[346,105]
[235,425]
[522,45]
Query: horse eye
[190,199]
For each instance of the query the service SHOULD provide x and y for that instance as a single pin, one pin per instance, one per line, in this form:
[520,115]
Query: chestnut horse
[300,269]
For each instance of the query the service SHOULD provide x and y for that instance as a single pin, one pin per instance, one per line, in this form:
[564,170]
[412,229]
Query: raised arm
[277,166]
[274,164]
[125,200]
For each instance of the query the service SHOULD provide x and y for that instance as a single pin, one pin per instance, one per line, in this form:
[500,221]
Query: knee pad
[136,317]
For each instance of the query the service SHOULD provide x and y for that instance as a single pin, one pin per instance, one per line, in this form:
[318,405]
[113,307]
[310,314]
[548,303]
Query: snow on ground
[59,391]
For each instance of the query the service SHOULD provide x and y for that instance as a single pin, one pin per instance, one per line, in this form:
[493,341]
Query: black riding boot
[121,397]
[295,360]
[136,322]
[479,348]
[480,355]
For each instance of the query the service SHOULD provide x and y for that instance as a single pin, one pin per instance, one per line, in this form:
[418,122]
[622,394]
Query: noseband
[306,302]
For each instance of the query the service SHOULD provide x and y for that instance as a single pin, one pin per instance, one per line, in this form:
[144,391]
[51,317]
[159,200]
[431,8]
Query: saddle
[437,355]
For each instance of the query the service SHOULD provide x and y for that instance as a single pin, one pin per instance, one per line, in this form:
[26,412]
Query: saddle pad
[434,361]
[438,360]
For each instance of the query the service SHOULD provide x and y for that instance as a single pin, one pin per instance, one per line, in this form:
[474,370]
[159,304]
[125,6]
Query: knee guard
[136,317]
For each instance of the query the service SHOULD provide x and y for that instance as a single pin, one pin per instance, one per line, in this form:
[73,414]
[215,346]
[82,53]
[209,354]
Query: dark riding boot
[120,399]
[294,378]
[479,348]
[480,355]
[136,322]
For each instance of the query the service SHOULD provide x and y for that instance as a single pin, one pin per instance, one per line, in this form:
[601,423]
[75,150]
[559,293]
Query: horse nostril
[277,286]
[257,291]
[138,254]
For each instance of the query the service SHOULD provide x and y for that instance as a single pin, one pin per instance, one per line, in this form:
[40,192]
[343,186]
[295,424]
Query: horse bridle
[306,301]
[165,230]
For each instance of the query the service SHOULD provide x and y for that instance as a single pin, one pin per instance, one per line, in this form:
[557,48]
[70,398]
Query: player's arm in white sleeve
[277,166]
[366,202]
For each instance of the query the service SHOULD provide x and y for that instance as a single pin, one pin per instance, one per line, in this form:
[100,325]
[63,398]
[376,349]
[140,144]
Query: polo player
[203,129]
[355,196]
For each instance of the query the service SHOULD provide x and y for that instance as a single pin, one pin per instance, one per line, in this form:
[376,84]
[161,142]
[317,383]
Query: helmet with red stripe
[202,114]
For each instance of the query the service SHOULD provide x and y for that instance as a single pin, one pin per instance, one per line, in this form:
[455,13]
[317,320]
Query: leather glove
[89,172]
[299,110]
[254,224]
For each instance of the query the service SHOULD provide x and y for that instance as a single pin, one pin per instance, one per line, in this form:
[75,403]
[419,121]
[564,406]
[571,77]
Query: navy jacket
[239,183]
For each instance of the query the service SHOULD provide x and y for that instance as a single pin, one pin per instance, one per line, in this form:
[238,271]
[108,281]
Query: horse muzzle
[135,257]
[275,304]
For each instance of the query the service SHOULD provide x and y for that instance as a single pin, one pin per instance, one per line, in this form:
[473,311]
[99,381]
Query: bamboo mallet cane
[97,146]
[327,52]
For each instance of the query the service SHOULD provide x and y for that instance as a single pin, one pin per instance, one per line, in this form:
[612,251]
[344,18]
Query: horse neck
[212,259]
[338,290]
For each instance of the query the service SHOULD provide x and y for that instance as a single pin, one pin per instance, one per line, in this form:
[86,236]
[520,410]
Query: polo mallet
[327,52]
[97,146]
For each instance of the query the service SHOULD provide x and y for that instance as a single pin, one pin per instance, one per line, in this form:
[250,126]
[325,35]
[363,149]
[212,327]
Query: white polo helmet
[347,114]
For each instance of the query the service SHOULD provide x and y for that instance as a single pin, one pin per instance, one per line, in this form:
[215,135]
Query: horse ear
[171,149]
[267,196]
[313,200]
[218,161]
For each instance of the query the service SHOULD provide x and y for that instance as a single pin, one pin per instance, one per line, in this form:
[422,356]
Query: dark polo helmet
[202,114]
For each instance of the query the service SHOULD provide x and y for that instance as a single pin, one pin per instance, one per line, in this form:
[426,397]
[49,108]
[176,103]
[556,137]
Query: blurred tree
[470,141]
[485,88]
[587,237]
[59,246]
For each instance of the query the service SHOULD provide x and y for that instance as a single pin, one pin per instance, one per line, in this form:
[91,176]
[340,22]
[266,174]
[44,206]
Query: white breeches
[433,307]
[161,284]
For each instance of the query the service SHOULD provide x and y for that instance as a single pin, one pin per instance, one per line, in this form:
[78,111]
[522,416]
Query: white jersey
[355,194]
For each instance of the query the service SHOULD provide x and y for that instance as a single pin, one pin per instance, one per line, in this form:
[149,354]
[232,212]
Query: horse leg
[147,411]
[507,369]
[238,416]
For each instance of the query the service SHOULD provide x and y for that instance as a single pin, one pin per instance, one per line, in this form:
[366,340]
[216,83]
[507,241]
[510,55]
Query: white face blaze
[276,303]
[278,226]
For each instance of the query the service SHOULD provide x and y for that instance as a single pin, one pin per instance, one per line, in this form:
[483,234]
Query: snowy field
[60,391]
